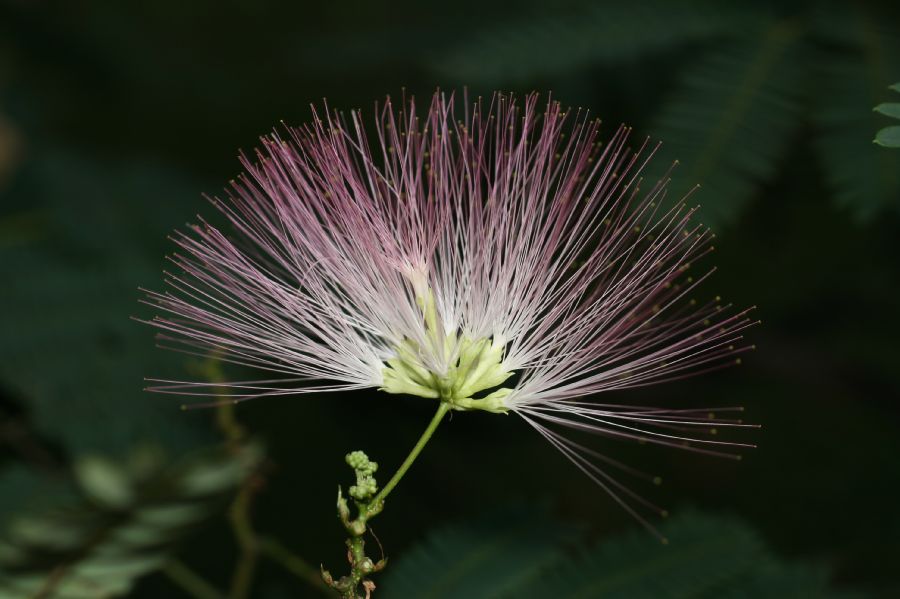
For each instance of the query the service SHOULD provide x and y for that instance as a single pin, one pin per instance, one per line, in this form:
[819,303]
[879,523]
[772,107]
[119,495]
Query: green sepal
[494,402]
[394,382]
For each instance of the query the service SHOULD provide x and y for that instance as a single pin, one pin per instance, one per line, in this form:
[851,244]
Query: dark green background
[115,117]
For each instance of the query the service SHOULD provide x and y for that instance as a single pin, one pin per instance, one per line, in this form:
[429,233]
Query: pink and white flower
[491,254]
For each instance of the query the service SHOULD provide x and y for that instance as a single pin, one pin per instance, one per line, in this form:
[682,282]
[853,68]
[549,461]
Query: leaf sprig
[120,524]
[889,137]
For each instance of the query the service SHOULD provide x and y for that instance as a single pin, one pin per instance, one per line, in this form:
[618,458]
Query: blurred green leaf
[39,533]
[891,110]
[166,516]
[888,137]
[730,119]
[104,481]
[90,548]
[517,556]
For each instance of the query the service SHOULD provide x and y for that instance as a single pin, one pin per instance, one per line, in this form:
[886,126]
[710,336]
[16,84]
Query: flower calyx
[476,365]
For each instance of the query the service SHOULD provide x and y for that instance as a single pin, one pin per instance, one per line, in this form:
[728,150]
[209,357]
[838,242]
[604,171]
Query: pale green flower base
[476,366]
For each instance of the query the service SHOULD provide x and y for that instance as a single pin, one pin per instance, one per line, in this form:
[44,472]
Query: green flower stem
[443,408]
[361,565]
[239,516]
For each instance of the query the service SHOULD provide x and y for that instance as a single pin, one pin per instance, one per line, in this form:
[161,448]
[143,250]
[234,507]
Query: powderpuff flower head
[493,255]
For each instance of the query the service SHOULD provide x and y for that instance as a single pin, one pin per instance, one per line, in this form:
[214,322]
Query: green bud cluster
[360,564]
[365,486]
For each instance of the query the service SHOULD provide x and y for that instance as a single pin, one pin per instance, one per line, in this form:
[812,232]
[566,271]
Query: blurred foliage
[582,35]
[76,214]
[523,554]
[889,136]
[498,554]
[114,117]
[744,79]
[120,523]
